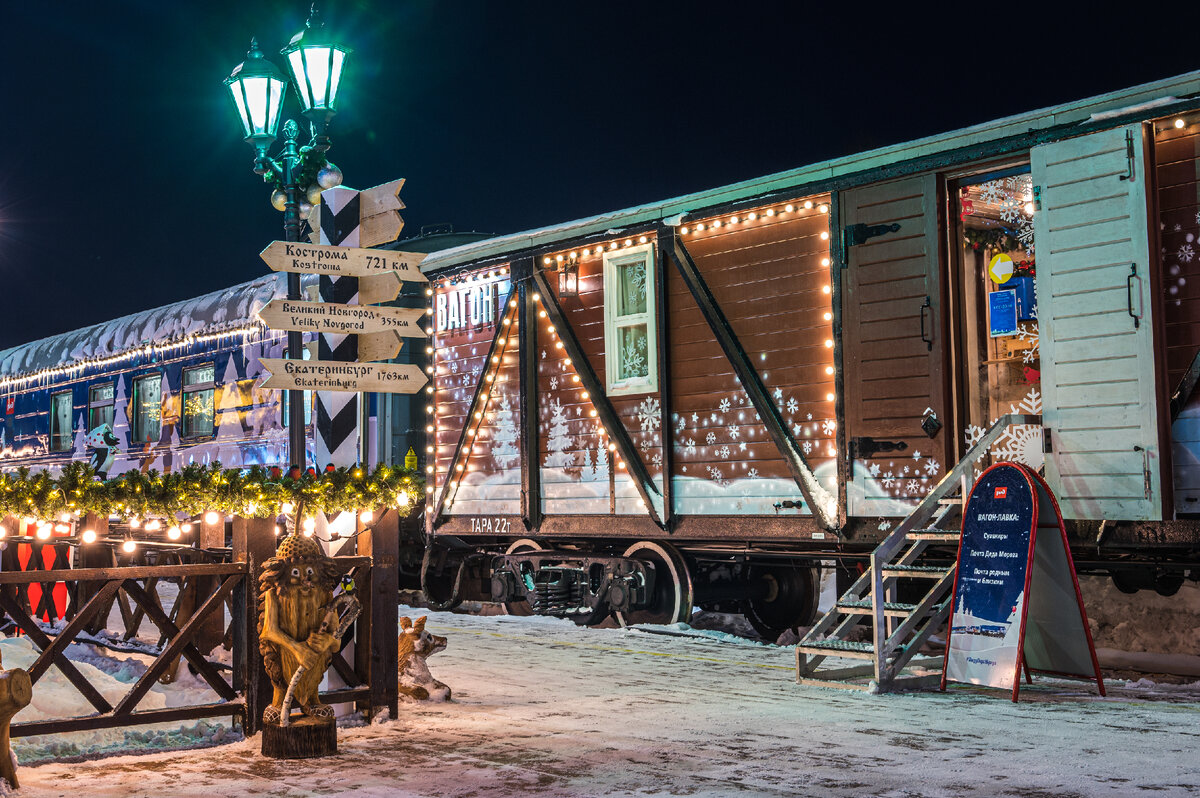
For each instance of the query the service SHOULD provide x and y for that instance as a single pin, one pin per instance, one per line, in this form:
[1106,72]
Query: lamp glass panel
[335,77]
[275,105]
[316,67]
[257,102]
[235,89]
[296,62]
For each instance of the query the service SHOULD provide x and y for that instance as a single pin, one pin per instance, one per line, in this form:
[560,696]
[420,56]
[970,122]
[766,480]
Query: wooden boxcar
[698,401]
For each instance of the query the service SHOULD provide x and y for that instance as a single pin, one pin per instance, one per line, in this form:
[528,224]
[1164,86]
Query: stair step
[892,609]
[838,648]
[914,571]
[934,535]
[952,500]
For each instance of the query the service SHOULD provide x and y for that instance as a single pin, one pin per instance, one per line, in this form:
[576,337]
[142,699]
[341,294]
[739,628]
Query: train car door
[893,347]
[1097,348]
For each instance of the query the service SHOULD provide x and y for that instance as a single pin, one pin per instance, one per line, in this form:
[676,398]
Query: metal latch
[863,448]
[860,233]
[931,423]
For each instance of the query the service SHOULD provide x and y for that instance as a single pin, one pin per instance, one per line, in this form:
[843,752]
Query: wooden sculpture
[300,626]
[16,691]
[415,645]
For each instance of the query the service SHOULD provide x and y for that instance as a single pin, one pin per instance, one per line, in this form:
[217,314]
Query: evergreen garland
[254,492]
[311,161]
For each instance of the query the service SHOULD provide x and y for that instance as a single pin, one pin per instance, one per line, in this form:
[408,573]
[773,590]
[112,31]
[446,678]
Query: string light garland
[77,367]
[197,490]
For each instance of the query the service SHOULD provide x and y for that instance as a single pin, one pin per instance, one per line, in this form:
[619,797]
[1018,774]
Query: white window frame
[613,323]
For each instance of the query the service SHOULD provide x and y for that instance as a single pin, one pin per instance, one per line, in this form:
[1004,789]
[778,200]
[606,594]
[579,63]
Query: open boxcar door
[893,347]
[1097,335]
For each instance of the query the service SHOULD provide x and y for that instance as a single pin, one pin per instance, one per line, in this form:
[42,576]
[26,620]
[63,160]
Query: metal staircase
[898,629]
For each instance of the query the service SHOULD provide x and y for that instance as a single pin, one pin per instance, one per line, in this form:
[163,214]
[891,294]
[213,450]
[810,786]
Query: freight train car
[698,401]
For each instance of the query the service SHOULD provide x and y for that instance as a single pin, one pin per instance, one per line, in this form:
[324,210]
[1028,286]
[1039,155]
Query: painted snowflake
[884,526]
[1021,443]
[715,475]
[778,394]
[1031,403]
[792,405]
[648,414]
[1186,253]
[932,466]
[734,433]
[680,423]
[695,418]
[689,447]
[724,405]
[809,417]
[554,383]
[723,452]
[912,486]
[992,192]
[742,446]
[645,445]
[752,473]
[888,480]
[917,456]
[972,434]
[806,446]
[904,471]
[710,438]
[656,460]
[873,469]
[828,426]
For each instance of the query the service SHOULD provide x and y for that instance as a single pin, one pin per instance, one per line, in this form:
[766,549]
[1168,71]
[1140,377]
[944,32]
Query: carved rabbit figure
[415,644]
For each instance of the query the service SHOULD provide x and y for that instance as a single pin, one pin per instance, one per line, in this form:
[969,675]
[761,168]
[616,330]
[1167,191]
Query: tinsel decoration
[196,489]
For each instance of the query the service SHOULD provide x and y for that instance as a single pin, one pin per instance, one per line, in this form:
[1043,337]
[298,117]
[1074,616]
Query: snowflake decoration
[1186,253]
[714,473]
[888,480]
[554,383]
[972,434]
[724,405]
[828,426]
[1021,443]
[1197,217]
[873,469]
[792,405]
[932,466]
[742,446]
[734,433]
[695,418]
[648,414]
[1010,210]
[752,473]
[689,447]
[917,456]
[543,354]
[1031,403]
[806,446]
[797,429]
[912,486]
[723,452]
[884,526]
[991,193]
[645,445]
[656,460]
[904,471]
[778,394]
[679,424]
[710,438]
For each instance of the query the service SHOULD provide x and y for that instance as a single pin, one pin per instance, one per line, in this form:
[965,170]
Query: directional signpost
[330,317]
[321,375]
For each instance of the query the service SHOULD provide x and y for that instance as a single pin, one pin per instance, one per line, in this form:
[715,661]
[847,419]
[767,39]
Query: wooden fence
[212,578]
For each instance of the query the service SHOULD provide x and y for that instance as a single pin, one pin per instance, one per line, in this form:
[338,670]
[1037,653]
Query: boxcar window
[147,409]
[100,405]
[287,395]
[631,355]
[198,392]
[60,422]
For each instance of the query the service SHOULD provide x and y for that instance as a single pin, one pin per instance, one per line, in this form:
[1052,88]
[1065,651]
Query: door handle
[1133,275]
[928,340]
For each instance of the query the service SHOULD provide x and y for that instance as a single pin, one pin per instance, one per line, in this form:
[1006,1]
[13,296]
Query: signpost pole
[295,342]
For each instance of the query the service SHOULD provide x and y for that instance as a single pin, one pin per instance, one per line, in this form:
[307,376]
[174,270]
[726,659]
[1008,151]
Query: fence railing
[195,624]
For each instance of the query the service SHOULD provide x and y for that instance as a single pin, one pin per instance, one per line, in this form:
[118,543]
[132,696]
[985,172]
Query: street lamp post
[257,88]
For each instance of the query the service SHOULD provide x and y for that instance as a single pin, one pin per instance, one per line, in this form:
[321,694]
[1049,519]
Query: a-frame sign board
[1016,598]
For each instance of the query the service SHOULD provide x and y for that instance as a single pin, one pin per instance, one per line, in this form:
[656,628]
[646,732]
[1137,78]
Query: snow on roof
[1137,99]
[230,307]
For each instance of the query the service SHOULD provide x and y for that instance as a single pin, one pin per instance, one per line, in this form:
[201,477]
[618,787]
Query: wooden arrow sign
[328,375]
[379,346]
[378,288]
[287,256]
[330,317]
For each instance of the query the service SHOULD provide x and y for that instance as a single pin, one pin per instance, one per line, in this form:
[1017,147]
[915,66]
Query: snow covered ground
[544,708]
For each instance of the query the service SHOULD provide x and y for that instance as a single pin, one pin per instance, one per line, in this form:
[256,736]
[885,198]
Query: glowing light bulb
[309,526]
[153,525]
[825,289]
[828,397]
[612,447]
[829,343]
[1179,123]
[824,235]
[829,369]
[185,528]
[1029,209]
[683,230]
[808,205]
[173,533]
[546,260]
[88,536]
[129,547]
[288,508]
[43,531]
[828,315]
[537,297]
[212,517]
[789,208]
[366,516]
[134,522]
[770,211]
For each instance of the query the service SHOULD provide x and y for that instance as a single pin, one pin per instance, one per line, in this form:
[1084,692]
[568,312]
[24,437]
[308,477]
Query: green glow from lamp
[257,88]
[316,63]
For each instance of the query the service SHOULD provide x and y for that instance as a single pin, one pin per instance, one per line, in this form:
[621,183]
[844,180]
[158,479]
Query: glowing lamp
[316,64]
[257,89]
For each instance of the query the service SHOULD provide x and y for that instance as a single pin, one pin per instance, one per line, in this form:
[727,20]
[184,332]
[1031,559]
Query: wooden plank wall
[573,451]
[1177,166]
[492,477]
[770,275]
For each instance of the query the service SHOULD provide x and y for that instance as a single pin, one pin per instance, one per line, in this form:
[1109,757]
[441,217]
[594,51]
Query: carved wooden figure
[16,691]
[415,645]
[296,596]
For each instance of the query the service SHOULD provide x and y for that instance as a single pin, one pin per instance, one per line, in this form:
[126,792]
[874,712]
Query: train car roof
[1160,97]
[225,309]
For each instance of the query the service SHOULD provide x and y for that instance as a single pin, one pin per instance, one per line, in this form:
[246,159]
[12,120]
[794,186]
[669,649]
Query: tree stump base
[305,738]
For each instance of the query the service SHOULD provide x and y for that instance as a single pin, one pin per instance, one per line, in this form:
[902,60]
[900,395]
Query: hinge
[1047,445]
[1147,482]
[860,233]
[1037,198]
[1128,155]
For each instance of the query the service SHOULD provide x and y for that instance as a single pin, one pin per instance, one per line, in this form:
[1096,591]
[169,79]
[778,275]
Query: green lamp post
[257,88]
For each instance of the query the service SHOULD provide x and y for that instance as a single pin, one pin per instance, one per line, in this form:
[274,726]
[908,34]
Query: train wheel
[672,601]
[441,580]
[521,607]
[790,600]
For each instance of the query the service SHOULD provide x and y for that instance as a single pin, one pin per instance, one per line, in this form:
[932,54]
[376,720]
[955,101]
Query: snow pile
[1143,621]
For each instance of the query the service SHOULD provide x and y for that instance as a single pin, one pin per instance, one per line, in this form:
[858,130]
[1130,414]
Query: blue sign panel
[1002,313]
[989,591]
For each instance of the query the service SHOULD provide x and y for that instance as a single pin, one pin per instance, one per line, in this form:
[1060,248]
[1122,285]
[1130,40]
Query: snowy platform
[544,708]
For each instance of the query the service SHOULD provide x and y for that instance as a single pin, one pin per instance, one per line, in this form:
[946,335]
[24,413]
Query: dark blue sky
[126,184]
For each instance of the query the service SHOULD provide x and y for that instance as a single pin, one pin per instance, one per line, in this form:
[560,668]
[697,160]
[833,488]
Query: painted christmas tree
[80,451]
[120,425]
[559,440]
[504,442]
[229,426]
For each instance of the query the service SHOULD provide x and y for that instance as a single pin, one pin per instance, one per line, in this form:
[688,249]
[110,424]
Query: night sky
[126,184]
